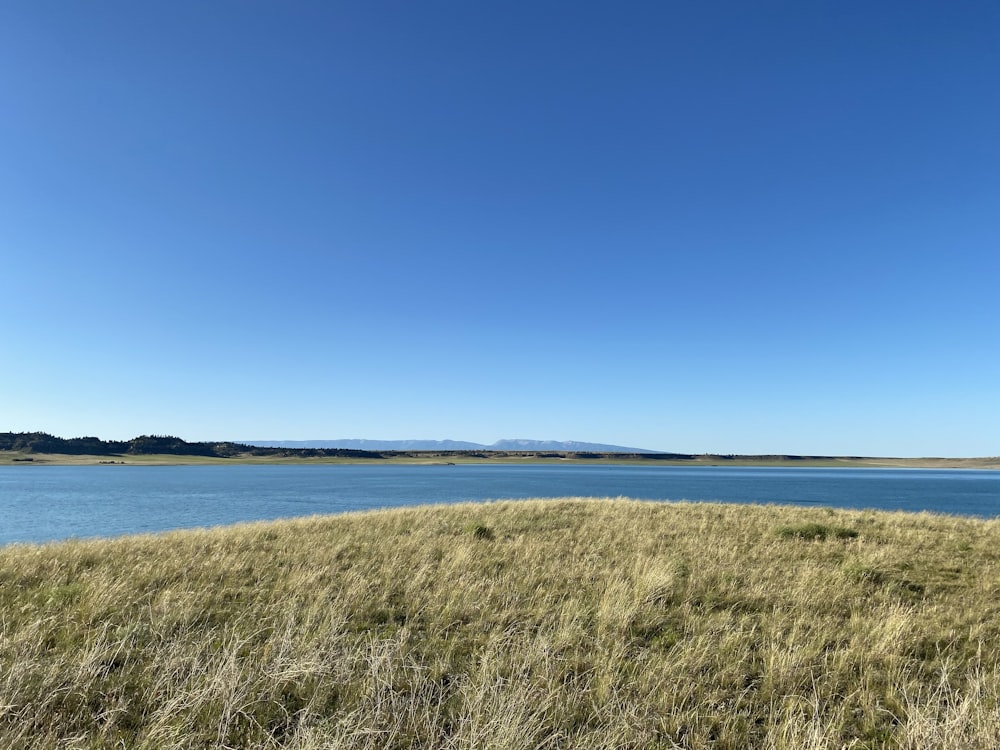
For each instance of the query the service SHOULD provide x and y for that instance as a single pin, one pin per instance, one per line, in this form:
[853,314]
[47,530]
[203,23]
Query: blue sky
[725,227]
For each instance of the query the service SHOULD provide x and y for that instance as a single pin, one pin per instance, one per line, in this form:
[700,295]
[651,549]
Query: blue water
[41,503]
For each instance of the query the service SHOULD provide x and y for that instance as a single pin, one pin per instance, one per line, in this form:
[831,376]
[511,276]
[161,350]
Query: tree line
[42,442]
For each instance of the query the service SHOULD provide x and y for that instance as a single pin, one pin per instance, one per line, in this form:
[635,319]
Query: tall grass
[522,625]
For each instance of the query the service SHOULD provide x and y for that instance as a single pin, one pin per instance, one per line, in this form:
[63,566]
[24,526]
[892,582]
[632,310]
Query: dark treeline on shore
[145,445]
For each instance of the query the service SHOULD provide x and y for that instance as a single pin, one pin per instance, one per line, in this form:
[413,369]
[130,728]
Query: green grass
[537,624]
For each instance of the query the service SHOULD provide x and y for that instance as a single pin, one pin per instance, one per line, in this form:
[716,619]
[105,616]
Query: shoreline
[443,458]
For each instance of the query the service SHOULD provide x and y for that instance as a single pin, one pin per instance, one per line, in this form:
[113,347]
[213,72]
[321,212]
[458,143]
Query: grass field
[534,624]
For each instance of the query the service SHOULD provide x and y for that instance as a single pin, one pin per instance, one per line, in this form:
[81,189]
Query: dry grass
[539,624]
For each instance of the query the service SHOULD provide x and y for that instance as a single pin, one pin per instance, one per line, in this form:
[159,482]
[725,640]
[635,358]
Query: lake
[42,503]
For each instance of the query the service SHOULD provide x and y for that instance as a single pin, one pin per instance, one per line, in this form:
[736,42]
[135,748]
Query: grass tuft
[816,531]
[483,532]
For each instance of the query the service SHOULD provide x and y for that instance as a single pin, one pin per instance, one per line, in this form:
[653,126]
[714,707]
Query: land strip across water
[42,448]
[20,458]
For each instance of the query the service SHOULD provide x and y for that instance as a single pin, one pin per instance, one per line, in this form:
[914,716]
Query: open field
[535,624]
[432,457]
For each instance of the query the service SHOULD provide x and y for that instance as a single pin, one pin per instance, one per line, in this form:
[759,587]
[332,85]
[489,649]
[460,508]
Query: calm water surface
[41,503]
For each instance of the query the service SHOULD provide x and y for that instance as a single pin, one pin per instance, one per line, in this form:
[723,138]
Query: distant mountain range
[448,445]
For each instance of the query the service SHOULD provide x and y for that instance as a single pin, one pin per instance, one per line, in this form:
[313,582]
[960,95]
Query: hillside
[516,625]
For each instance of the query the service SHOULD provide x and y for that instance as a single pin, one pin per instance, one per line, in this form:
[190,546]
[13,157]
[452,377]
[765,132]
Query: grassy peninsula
[536,624]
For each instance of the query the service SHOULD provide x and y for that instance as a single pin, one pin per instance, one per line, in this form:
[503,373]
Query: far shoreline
[446,458]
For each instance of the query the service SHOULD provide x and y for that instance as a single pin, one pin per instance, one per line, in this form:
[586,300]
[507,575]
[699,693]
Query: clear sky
[734,227]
